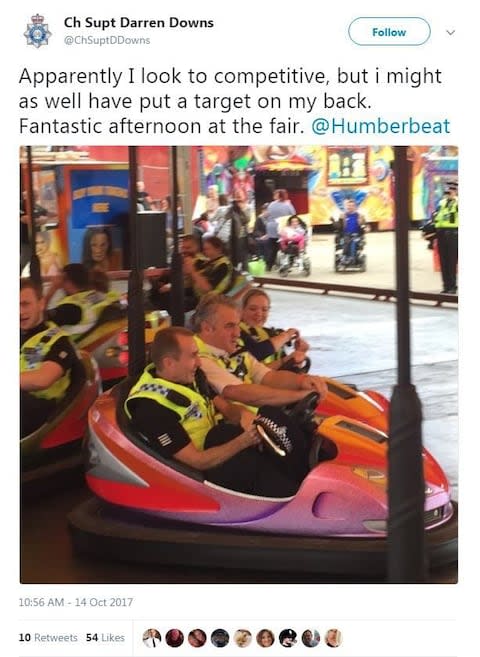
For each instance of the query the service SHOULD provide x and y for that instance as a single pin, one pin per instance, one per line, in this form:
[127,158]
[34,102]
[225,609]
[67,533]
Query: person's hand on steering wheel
[246,419]
[315,383]
[288,335]
[301,345]
[250,438]
[297,356]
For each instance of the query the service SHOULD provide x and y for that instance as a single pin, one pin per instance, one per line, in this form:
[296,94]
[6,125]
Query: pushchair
[349,250]
[292,255]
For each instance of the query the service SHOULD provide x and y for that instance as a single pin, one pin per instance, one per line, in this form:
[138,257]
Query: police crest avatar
[37,33]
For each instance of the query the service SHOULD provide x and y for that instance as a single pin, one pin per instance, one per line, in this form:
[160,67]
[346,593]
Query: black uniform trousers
[448,253]
[34,411]
[261,472]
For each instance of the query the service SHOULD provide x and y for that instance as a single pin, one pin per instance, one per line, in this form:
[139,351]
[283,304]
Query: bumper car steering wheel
[275,436]
[303,412]
[303,368]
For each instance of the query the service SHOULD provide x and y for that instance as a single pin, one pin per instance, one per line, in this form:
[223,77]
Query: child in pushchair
[293,241]
[350,240]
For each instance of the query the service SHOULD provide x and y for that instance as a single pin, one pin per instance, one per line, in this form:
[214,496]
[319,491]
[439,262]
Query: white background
[437,619]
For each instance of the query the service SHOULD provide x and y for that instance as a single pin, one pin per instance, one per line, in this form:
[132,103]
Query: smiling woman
[50,264]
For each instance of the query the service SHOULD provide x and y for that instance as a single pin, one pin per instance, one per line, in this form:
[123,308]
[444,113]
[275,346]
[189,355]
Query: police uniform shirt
[215,273]
[160,425]
[61,352]
[219,377]
[261,349]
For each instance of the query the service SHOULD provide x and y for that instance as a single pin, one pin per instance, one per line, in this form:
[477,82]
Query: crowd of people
[234,370]
[230,366]
[213,368]
[231,392]
[243,237]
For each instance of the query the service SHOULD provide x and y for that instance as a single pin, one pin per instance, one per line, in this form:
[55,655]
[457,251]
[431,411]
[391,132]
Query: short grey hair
[208,306]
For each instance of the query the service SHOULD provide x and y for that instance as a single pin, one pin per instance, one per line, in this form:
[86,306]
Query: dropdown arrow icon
[450,32]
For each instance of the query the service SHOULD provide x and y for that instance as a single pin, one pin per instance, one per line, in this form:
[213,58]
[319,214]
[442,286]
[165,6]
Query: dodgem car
[154,510]
[107,341]
[53,451]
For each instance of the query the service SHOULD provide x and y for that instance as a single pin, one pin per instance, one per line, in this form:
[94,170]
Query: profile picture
[174,638]
[333,638]
[151,638]
[242,638]
[287,638]
[197,638]
[265,638]
[220,638]
[311,638]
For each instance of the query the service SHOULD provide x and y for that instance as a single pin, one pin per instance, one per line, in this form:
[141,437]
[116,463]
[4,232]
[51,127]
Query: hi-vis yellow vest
[197,413]
[91,303]
[239,365]
[447,215]
[227,281]
[32,354]
[261,333]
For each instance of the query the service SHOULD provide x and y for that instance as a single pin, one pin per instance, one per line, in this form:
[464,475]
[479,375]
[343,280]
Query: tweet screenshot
[247,338]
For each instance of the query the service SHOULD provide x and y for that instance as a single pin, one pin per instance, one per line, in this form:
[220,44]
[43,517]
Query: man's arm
[166,435]
[58,360]
[234,413]
[40,379]
[214,456]
[260,395]
[292,381]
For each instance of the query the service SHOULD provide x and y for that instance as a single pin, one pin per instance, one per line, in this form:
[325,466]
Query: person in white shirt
[152,638]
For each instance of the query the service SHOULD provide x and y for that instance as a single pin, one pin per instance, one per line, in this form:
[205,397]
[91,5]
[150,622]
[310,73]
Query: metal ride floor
[350,338]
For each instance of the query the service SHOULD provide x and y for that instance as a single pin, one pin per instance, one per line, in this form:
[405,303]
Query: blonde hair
[242,637]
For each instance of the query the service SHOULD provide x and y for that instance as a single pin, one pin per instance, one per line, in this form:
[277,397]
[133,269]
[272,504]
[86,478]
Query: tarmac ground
[380,252]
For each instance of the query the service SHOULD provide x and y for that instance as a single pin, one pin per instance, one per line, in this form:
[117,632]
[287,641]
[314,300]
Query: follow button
[389,31]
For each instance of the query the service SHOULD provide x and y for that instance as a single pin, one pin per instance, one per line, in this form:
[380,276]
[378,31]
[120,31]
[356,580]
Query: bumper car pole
[136,321]
[176,265]
[35,274]
[406,490]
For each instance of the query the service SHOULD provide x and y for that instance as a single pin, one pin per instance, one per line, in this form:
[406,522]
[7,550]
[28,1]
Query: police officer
[217,323]
[46,360]
[176,411]
[193,259]
[80,309]
[446,225]
[215,275]
[266,343]
[239,377]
